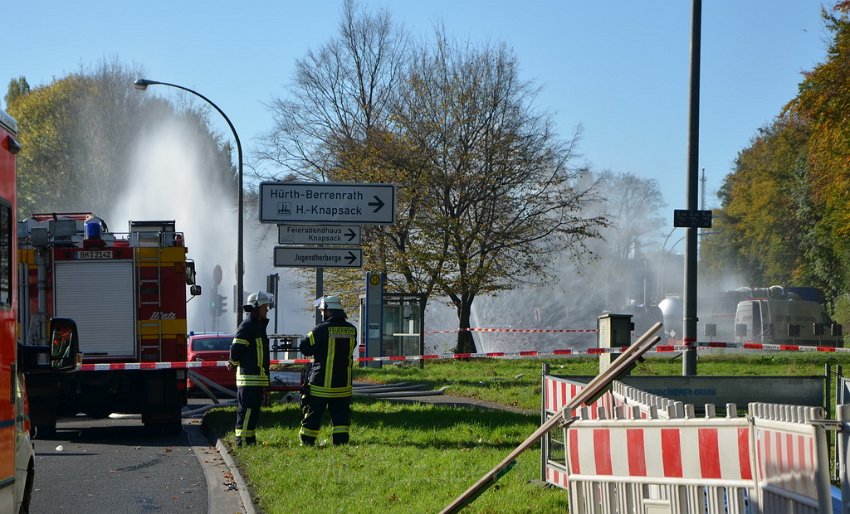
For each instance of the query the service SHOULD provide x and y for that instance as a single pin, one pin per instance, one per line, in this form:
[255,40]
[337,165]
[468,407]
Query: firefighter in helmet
[331,343]
[249,354]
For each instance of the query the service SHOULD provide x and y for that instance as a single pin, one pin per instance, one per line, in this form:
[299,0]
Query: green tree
[17,87]
[784,216]
[45,118]
[823,103]
[760,216]
[77,137]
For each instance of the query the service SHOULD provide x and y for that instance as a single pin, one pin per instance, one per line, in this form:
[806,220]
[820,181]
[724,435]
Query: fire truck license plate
[95,254]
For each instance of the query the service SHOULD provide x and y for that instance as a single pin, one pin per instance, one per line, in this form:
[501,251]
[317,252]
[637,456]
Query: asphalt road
[114,465]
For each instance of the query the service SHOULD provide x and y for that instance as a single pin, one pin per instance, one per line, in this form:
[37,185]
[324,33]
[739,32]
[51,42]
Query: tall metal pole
[689,360]
[142,84]
[320,291]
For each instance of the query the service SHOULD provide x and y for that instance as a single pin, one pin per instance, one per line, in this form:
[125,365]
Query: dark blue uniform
[331,344]
[250,353]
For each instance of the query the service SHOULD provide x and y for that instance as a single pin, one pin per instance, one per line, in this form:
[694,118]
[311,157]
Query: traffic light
[213,306]
[222,304]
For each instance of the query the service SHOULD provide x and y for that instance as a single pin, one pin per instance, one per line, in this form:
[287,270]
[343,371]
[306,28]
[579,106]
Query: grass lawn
[403,458]
[418,458]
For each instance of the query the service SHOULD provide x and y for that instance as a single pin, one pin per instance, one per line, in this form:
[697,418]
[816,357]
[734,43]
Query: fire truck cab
[59,353]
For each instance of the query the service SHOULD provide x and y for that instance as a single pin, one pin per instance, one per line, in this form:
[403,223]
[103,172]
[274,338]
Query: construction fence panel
[656,466]
[792,458]
[557,392]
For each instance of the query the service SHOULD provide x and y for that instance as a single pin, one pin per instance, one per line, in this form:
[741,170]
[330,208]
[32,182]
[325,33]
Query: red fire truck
[126,293]
[59,356]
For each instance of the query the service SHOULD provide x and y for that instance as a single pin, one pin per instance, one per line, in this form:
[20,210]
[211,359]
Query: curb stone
[241,486]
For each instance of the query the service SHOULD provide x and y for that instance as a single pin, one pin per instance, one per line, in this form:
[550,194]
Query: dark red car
[211,347]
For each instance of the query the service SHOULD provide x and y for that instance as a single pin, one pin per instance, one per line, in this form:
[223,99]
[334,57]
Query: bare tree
[337,124]
[632,204]
[487,191]
[340,94]
[502,196]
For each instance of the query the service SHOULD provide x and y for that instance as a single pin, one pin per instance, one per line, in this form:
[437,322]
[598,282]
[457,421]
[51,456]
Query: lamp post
[141,85]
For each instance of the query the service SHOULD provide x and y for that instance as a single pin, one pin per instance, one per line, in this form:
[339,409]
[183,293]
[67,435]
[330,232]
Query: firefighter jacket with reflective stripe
[331,344]
[250,352]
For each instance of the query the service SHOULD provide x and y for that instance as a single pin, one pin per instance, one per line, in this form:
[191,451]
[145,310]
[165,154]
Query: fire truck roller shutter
[99,296]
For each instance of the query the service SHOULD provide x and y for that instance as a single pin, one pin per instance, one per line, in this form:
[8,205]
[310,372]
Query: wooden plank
[592,391]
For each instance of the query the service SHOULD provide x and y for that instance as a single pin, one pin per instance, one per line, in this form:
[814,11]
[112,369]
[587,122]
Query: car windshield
[211,344]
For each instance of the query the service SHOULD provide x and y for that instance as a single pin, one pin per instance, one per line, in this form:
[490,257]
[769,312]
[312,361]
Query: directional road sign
[318,235]
[327,203]
[317,257]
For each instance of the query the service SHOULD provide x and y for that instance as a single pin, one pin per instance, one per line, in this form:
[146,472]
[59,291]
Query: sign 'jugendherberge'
[317,257]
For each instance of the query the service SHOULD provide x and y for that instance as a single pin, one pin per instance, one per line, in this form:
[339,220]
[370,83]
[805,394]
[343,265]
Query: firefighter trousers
[249,399]
[314,408]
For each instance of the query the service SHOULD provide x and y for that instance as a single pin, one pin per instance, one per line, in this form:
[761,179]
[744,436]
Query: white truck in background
[766,315]
[780,316]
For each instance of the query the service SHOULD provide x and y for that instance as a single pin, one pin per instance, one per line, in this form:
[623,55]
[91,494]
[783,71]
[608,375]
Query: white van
[785,321]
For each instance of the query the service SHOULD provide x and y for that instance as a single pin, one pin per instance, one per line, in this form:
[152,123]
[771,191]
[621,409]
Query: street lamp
[141,85]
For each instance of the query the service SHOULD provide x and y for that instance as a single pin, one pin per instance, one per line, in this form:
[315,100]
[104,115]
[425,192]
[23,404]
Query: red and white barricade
[632,451]
[674,466]
[557,392]
[791,456]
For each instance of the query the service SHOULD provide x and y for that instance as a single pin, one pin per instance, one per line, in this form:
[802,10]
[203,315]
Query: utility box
[612,331]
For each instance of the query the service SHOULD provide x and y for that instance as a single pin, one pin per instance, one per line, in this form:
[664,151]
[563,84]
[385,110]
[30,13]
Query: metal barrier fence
[633,451]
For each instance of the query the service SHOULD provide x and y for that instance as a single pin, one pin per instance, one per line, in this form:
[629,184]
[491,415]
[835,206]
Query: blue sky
[618,69]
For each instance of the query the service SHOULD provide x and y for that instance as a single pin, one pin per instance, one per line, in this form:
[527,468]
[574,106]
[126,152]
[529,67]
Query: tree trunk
[465,341]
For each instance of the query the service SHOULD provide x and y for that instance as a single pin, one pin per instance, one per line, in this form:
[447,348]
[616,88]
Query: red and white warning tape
[515,330]
[661,348]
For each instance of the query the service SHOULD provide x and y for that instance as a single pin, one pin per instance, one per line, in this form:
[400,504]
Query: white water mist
[171,178]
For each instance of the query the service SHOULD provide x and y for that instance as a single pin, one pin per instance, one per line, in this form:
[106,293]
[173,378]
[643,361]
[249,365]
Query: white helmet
[329,303]
[258,299]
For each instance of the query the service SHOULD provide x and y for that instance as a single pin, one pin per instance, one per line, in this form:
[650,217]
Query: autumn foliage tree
[785,217]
